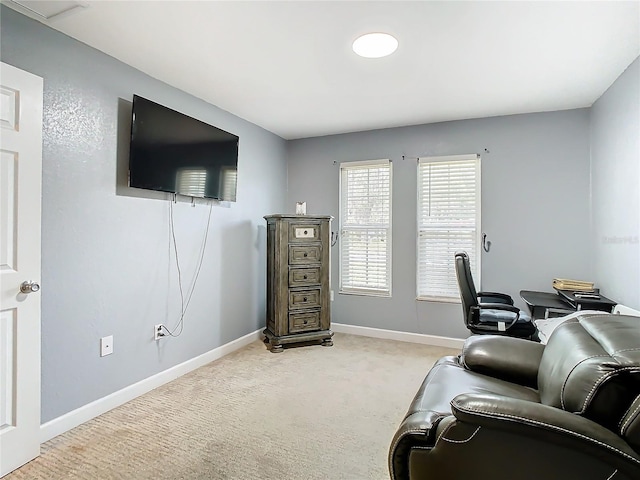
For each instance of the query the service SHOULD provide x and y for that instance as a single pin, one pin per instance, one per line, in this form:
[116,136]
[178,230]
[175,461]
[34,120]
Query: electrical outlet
[158,332]
[106,346]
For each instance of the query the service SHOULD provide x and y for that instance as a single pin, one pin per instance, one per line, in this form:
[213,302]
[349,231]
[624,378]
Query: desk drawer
[307,298]
[304,254]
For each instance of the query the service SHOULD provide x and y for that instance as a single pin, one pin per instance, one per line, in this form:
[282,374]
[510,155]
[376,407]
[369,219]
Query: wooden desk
[546,304]
[601,303]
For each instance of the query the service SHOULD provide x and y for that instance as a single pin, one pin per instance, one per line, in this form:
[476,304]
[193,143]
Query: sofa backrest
[591,366]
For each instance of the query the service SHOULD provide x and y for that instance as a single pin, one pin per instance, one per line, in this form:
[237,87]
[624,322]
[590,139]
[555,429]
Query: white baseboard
[70,420]
[433,340]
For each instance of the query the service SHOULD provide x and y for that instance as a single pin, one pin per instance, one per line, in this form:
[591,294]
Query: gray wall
[107,268]
[535,190]
[615,173]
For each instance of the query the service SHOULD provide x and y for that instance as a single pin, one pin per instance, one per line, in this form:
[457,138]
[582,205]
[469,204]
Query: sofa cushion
[448,378]
[591,366]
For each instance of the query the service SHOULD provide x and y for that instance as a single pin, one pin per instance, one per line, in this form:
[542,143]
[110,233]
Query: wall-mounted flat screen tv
[172,152]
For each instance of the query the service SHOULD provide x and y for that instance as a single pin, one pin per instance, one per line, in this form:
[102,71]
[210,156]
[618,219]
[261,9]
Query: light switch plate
[106,346]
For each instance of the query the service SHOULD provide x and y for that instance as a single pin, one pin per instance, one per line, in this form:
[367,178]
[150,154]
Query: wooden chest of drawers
[298,253]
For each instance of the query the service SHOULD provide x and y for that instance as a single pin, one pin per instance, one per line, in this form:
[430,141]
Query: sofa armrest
[418,428]
[512,359]
[552,426]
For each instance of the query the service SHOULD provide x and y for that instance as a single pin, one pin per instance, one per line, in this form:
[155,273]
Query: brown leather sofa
[511,409]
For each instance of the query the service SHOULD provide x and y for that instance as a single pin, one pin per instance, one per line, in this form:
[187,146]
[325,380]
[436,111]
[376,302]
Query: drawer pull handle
[306,255]
[305,277]
[304,299]
[305,322]
[305,232]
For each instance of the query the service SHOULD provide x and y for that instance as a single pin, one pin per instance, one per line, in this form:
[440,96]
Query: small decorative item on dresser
[298,308]
[301,208]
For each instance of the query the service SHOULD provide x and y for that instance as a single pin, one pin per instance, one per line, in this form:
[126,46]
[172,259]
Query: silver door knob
[29,287]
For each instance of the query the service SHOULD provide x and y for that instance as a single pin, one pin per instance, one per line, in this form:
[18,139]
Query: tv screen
[172,152]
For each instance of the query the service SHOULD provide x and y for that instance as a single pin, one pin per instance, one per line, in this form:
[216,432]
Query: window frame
[350,290]
[476,262]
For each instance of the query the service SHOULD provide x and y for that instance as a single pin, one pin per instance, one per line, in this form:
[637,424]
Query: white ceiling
[288,66]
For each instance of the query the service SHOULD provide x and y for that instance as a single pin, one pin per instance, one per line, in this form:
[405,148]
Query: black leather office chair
[490,312]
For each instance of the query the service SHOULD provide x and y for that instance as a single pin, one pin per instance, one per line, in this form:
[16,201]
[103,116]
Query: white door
[20,190]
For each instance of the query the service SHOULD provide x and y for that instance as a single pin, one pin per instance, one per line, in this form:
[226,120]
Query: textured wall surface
[107,265]
[535,209]
[615,166]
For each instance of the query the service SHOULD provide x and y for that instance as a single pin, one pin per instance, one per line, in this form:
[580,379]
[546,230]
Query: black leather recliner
[490,312]
[511,409]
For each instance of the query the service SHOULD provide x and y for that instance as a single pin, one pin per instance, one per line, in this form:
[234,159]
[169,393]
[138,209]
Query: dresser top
[297,217]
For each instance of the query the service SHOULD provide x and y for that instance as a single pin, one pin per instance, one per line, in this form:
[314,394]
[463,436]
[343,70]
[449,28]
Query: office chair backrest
[468,294]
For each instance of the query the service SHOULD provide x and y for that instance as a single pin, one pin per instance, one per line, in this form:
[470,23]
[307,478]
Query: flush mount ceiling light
[375,45]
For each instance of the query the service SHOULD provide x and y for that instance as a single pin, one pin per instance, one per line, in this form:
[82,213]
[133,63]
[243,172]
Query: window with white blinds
[448,221]
[228,180]
[365,228]
[192,181]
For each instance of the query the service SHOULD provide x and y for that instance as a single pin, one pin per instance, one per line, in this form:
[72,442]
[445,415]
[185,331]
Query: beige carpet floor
[311,412]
